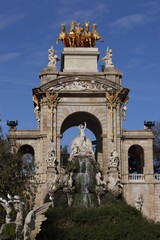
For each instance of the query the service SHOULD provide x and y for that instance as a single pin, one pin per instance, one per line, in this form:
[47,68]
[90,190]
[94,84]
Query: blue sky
[29,28]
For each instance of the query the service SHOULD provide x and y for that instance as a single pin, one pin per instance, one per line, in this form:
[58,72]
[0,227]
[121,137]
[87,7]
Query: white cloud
[8,19]
[150,13]
[130,21]
[9,56]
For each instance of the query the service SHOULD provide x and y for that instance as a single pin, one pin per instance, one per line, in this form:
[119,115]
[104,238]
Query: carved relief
[53,101]
[113,159]
[78,86]
[51,158]
[111,97]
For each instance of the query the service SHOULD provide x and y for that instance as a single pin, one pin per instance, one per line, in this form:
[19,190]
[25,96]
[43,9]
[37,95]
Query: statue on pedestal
[113,159]
[77,37]
[108,58]
[53,59]
[81,145]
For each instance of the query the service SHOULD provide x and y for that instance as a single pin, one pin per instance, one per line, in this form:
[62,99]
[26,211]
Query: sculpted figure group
[77,37]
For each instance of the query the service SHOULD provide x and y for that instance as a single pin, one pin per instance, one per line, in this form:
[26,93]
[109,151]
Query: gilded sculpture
[78,37]
[36,110]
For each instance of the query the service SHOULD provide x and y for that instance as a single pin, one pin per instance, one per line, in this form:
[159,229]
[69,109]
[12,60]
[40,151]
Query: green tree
[156,147]
[64,150]
[14,178]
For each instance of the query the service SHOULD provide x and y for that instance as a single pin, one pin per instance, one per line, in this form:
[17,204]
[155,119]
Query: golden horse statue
[77,37]
[63,36]
[87,36]
[95,35]
[72,35]
[78,33]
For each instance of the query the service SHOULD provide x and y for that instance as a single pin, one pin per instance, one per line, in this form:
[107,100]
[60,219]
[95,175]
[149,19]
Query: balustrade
[136,177]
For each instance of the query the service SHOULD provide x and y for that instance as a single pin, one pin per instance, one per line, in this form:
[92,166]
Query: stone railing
[136,177]
[157,177]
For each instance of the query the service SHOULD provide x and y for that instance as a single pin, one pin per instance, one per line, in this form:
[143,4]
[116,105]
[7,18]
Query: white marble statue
[51,158]
[99,180]
[33,221]
[114,159]
[114,185]
[108,58]
[8,206]
[81,145]
[53,59]
[139,202]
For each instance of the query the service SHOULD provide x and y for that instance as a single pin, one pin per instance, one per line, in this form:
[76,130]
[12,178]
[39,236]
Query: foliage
[14,178]
[9,231]
[64,150]
[156,147]
[113,221]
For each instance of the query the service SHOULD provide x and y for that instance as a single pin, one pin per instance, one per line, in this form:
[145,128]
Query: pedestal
[80,60]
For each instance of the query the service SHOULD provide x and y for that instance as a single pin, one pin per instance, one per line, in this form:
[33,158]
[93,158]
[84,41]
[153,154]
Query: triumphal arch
[79,94]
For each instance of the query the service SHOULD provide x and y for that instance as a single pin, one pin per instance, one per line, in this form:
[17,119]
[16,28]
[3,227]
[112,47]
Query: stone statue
[101,187]
[53,59]
[114,185]
[8,206]
[114,159]
[51,158]
[82,129]
[99,180]
[139,202]
[108,58]
[33,221]
[81,145]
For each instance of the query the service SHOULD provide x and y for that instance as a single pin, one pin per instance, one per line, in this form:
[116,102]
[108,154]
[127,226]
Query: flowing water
[84,180]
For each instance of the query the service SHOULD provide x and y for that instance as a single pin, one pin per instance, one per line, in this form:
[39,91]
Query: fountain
[82,181]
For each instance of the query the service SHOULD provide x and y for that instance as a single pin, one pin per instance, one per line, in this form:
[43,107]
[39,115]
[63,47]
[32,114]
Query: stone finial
[108,58]
[53,59]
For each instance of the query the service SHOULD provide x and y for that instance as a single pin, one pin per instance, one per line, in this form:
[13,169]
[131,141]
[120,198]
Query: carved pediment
[80,83]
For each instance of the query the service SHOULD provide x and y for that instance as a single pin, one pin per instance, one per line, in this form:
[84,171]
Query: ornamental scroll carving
[52,104]
[36,110]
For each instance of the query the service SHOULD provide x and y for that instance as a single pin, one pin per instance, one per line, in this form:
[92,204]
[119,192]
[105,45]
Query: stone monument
[80,95]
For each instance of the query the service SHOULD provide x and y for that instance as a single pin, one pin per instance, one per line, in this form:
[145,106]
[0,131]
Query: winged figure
[33,221]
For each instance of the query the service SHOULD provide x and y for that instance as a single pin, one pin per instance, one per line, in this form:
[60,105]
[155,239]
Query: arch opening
[93,132]
[27,156]
[136,159]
